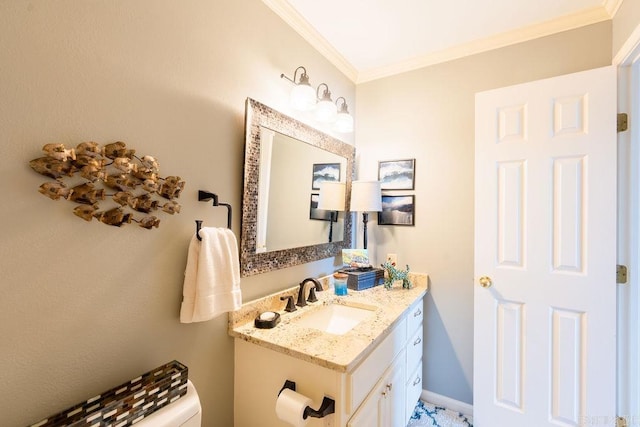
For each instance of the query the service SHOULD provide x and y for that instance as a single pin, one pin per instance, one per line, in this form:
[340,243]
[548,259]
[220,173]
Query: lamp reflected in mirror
[332,198]
[366,196]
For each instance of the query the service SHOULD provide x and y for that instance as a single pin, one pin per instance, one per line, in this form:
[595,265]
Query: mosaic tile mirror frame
[253,261]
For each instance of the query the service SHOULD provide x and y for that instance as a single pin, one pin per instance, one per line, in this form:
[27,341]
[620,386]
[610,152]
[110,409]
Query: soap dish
[267,320]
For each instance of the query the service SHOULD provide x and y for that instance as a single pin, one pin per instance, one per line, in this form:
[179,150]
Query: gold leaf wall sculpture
[114,184]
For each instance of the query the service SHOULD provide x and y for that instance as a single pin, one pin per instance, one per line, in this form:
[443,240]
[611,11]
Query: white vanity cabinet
[381,389]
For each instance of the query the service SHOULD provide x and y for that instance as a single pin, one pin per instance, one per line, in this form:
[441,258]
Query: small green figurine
[394,274]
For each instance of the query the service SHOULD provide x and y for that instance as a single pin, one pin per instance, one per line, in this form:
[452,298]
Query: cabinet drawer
[364,377]
[414,390]
[415,314]
[414,349]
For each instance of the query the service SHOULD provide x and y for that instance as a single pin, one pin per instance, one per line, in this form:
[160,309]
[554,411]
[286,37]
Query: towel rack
[205,196]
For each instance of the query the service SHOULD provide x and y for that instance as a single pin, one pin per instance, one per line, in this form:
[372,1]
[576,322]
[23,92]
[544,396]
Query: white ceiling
[370,39]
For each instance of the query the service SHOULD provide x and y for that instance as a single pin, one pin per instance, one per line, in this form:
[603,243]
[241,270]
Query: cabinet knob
[417,380]
[389,386]
[417,341]
[417,313]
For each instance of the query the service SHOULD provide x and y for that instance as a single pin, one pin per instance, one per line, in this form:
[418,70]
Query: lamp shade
[344,122]
[366,196]
[331,196]
[303,97]
[326,111]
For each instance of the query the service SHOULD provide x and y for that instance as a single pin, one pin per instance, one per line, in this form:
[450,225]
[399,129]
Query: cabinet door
[395,397]
[369,414]
[385,404]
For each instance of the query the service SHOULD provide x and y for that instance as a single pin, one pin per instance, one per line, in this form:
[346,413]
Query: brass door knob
[485,282]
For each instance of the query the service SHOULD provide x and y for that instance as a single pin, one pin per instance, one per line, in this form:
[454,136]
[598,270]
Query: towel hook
[205,196]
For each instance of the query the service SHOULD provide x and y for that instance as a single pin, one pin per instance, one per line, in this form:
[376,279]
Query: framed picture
[397,174]
[324,172]
[397,210]
[314,212]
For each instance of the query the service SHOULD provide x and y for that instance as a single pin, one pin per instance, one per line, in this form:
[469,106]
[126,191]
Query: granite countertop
[337,352]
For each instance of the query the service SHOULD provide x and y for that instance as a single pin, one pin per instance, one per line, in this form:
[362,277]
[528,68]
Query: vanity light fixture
[331,198]
[366,196]
[344,120]
[326,110]
[302,97]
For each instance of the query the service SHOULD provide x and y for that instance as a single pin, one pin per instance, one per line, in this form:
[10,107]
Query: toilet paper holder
[327,407]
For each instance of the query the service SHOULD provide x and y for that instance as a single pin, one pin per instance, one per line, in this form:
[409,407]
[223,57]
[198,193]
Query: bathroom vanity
[363,350]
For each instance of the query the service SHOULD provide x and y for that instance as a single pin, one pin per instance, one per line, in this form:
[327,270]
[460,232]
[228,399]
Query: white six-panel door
[545,248]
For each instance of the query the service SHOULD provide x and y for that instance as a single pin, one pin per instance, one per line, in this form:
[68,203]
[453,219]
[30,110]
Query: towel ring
[205,196]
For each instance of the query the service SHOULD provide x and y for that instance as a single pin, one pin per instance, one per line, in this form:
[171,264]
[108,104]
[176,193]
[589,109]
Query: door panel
[568,214]
[510,354]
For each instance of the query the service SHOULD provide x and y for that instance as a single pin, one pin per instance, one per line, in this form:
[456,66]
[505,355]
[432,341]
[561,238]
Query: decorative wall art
[315,213]
[89,174]
[397,174]
[397,210]
[325,172]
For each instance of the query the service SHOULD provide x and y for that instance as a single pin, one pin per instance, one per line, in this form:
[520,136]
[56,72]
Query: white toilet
[184,412]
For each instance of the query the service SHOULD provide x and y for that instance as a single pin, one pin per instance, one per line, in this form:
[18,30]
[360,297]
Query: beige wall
[428,114]
[85,306]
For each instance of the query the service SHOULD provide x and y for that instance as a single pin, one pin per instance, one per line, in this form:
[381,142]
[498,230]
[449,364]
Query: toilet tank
[184,412]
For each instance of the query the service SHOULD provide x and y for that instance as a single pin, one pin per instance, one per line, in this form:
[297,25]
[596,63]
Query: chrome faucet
[312,292]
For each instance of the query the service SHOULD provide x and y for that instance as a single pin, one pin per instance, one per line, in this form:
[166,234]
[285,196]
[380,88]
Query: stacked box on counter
[359,280]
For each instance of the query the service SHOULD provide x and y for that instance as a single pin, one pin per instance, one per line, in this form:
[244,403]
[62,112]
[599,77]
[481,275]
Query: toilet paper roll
[290,407]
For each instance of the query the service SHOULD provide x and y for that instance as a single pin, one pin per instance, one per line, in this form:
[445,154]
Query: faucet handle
[312,295]
[290,305]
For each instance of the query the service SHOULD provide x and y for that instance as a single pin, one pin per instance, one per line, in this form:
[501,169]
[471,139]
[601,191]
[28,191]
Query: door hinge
[623,122]
[621,422]
[621,273]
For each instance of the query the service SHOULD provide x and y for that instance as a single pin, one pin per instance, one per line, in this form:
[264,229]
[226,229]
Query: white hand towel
[212,277]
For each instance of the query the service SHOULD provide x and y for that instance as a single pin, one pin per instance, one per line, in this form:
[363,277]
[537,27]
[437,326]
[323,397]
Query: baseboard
[447,402]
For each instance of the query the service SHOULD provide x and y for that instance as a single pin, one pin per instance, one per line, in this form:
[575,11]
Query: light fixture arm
[326,94]
[304,78]
[342,108]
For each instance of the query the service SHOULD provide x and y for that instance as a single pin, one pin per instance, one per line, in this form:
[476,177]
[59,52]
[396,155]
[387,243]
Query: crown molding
[284,10]
[569,22]
[612,6]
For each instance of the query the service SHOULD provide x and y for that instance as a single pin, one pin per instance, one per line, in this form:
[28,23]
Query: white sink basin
[337,319]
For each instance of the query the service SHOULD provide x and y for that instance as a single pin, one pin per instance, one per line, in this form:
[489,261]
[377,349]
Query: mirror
[287,208]
[284,161]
